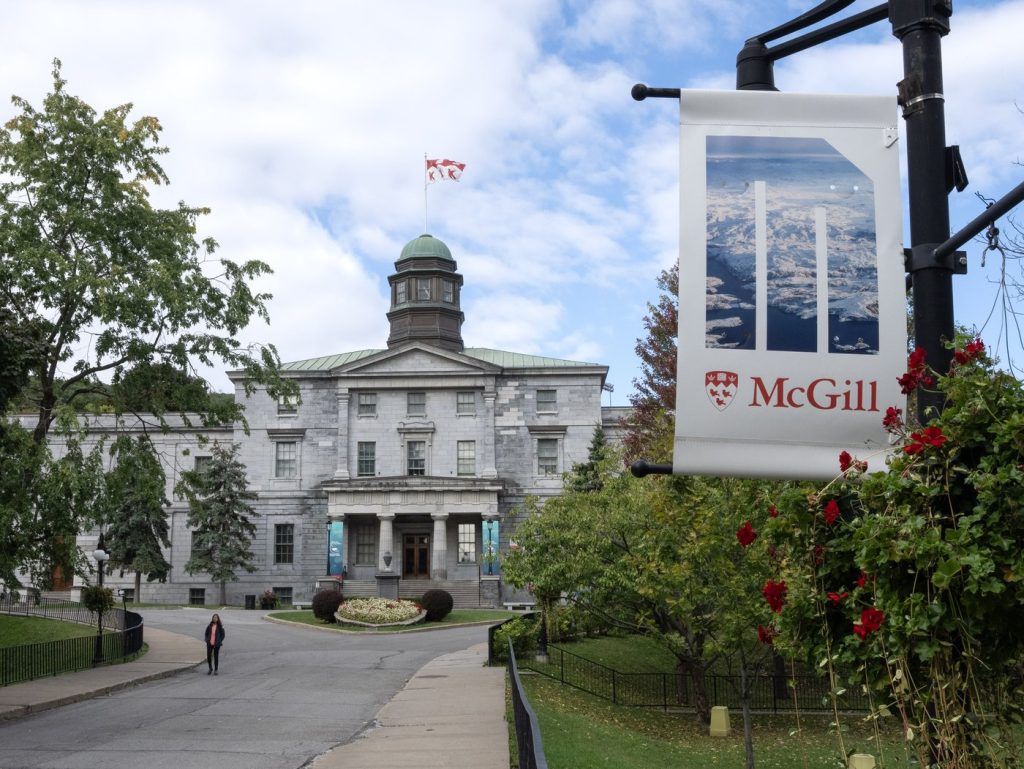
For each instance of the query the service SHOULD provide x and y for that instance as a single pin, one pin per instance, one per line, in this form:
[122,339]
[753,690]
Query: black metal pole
[920,27]
[97,657]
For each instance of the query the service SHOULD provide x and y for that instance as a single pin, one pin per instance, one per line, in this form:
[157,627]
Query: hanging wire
[1003,300]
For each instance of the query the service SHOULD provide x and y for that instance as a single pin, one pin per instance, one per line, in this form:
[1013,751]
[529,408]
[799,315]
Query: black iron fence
[671,690]
[123,638]
[531,750]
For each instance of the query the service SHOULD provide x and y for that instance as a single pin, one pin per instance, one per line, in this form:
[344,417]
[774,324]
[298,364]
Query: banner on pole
[792,308]
[336,548]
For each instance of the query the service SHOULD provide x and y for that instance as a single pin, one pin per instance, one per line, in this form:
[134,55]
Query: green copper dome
[426,245]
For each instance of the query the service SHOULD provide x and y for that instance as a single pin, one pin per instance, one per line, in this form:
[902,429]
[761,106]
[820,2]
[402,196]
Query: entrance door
[415,556]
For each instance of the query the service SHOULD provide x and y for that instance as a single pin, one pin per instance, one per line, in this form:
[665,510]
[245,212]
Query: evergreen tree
[651,424]
[586,476]
[220,513]
[136,517]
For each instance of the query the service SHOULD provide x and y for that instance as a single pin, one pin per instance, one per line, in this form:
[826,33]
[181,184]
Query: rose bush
[910,582]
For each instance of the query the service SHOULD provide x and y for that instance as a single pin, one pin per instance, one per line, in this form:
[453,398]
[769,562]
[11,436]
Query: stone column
[386,542]
[490,467]
[341,470]
[439,547]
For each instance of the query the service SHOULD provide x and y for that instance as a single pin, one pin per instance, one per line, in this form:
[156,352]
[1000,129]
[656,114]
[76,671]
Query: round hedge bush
[325,603]
[437,604]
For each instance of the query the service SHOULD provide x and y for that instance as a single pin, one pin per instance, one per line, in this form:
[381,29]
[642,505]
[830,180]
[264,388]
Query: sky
[303,126]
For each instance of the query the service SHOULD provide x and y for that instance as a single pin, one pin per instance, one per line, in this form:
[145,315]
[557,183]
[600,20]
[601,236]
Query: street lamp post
[101,557]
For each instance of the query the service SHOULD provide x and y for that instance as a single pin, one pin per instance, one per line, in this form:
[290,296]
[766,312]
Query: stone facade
[413,449]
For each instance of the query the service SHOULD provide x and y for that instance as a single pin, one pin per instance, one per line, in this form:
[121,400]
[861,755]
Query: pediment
[416,359]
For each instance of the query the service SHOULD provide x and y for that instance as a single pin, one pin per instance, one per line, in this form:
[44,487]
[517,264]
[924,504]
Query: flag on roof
[444,170]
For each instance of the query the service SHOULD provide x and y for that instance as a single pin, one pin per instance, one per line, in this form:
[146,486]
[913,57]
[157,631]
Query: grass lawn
[456,617]
[17,631]
[626,654]
[580,731]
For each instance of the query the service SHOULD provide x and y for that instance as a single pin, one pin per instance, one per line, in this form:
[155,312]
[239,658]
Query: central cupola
[425,293]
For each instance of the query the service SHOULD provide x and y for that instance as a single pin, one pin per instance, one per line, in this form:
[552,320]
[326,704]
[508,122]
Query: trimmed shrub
[268,600]
[437,604]
[97,599]
[325,603]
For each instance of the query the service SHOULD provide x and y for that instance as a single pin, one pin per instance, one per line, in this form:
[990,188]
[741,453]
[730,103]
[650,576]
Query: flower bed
[379,612]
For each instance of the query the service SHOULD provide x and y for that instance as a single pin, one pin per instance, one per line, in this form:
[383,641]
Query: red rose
[831,512]
[773,511]
[929,436]
[861,580]
[872,619]
[775,594]
[746,534]
[845,460]
[835,598]
[860,630]
[893,420]
[766,635]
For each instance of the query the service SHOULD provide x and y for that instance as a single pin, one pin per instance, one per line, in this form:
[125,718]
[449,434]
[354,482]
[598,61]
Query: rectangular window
[449,292]
[401,296]
[416,451]
[547,401]
[286,459]
[197,596]
[416,404]
[465,403]
[286,406]
[128,594]
[192,544]
[367,404]
[203,464]
[283,596]
[467,457]
[467,543]
[367,458]
[365,555]
[547,456]
[284,543]
[423,289]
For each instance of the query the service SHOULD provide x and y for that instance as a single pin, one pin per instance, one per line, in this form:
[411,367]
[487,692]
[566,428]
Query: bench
[519,606]
[300,605]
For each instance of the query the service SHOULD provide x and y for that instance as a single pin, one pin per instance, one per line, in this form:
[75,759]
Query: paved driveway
[284,695]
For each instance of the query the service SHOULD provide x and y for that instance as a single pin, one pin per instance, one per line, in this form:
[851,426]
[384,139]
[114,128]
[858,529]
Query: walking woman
[214,637]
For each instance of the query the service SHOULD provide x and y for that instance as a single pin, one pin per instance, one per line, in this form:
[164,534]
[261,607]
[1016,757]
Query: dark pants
[212,656]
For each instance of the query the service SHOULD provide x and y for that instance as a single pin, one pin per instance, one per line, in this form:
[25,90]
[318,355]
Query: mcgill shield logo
[721,387]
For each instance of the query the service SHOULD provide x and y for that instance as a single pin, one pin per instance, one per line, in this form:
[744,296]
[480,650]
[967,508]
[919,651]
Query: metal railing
[665,690]
[30,661]
[531,749]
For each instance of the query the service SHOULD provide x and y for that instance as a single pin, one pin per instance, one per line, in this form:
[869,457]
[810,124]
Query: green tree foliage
[658,556]
[651,424]
[220,514]
[586,476]
[135,514]
[105,281]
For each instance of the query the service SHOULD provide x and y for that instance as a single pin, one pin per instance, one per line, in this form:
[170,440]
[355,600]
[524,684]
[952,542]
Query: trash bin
[250,602]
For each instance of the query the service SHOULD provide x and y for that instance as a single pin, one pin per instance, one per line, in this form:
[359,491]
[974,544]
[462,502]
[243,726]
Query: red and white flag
[443,170]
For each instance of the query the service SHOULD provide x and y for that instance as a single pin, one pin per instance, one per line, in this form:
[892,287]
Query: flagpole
[425,230]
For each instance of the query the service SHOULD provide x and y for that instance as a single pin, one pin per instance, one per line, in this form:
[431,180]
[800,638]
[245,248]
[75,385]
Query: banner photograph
[792,309]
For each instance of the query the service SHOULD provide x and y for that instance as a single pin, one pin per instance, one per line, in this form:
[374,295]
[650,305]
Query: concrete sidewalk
[450,715]
[168,653]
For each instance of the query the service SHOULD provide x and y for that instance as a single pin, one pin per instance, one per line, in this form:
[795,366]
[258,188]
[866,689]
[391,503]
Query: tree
[219,512]
[84,252]
[97,283]
[136,517]
[586,476]
[650,427]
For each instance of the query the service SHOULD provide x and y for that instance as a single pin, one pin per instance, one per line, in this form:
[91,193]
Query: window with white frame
[367,404]
[401,296]
[366,554]
[466,457]
[416,457]
[284,543]
[286,459]
[366,452]
[467,543]
[416,404]
[465,403]
[547,456]
[287,406]
[547,401]
[423,289]
[449,292]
